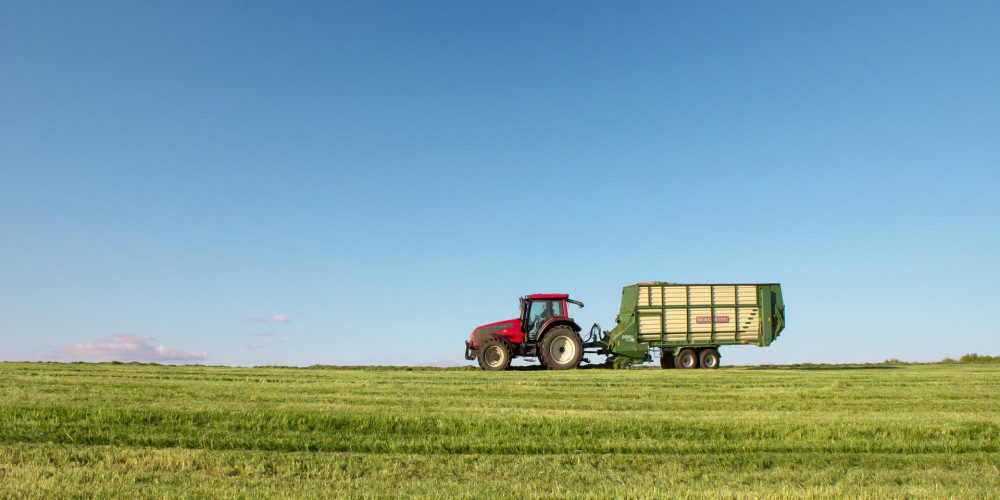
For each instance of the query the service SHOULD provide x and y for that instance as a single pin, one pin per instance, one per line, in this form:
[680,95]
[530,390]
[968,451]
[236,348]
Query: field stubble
[872,430]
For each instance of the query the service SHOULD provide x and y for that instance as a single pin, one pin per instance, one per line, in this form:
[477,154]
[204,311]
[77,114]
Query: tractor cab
[538,309]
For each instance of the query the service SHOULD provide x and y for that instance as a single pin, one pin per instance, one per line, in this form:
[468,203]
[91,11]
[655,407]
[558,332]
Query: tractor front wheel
[561,349]
[494,356]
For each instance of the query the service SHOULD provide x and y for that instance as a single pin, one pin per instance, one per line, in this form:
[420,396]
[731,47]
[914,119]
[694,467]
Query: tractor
[543,330]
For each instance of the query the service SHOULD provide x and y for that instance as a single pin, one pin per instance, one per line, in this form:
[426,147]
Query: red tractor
[543,330]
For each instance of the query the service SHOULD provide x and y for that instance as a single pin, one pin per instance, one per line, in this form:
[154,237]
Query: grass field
[832,431]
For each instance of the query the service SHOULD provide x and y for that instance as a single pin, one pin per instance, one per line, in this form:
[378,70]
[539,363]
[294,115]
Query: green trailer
[689,322]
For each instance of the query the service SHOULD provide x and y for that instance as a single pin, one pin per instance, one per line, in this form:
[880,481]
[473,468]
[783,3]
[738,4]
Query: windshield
[541,311]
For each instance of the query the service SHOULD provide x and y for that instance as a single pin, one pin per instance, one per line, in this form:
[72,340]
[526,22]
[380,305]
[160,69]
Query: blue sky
[364,182]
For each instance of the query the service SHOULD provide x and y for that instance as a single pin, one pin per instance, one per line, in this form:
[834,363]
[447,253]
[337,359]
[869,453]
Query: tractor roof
[547,296]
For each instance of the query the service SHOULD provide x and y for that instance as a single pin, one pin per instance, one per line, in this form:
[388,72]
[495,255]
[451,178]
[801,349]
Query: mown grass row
[925,430]
[409,433]
[46,470]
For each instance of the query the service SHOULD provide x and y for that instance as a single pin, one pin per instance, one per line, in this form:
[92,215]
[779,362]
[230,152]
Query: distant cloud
[124,347]
[280,341]
[254,347]
[276,317]
[265,334]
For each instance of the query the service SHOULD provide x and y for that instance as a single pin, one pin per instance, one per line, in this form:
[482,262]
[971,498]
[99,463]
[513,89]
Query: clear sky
[365,182]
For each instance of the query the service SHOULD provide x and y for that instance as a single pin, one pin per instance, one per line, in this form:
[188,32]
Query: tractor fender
[544,329]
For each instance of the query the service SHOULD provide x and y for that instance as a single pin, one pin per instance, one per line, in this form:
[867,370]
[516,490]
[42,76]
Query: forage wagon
[688,323]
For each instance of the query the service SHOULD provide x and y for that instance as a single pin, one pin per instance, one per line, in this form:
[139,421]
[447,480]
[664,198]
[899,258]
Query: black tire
[561,348]
[494,355]
[666,359]
[686,359]
[709,358]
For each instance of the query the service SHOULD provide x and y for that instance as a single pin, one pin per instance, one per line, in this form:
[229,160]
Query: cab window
[540,312]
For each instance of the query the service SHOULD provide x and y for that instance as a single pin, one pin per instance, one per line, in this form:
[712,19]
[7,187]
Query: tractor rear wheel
[709,358]
[561,348]
[494,356]
[686,359]
[666,359]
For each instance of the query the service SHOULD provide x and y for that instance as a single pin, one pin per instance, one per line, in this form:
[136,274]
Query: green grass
[824,430]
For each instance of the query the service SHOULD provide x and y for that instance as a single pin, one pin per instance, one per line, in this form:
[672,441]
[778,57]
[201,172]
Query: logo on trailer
[708,319]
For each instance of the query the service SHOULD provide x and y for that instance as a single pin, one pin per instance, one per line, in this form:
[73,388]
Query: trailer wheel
[686,359]
[709,358]
[561,348]
[494,356]
[666,359]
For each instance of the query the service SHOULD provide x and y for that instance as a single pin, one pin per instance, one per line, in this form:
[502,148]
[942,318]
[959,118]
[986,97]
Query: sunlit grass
[875,430]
